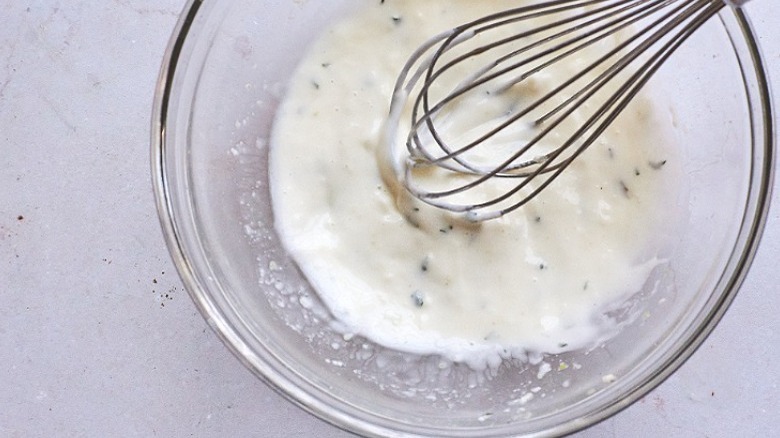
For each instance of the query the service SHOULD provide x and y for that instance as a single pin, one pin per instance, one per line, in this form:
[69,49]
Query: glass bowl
[221,82]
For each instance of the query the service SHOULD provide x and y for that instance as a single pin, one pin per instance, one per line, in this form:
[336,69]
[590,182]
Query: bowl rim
[211,312]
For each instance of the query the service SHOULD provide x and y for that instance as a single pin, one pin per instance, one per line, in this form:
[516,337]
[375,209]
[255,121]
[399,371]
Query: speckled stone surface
[98,337]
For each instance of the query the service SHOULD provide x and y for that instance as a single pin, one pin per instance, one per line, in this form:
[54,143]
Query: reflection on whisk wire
[616,46]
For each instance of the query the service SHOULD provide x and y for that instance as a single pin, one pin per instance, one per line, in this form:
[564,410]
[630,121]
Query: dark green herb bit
[542,266]
[315,85]
[446,230]
[412,219]
[424,265]
[657,164]
[636,171]
[611,153]
[624,187]
[563,345]
[396,19]
[538,219]
[417,298]
[325,64]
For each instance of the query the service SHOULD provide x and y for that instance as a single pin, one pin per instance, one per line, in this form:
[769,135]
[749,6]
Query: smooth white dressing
[540,279]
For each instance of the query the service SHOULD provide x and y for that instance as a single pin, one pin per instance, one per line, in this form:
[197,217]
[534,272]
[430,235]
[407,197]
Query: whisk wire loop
[594,36]
[478,78]
[531,40]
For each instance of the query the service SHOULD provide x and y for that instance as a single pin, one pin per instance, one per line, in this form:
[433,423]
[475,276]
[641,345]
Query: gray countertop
[98,336]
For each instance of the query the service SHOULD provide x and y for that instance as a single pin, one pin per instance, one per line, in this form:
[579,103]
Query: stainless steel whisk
[489,58]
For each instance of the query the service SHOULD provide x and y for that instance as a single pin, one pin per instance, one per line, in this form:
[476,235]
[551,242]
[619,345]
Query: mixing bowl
[224,76]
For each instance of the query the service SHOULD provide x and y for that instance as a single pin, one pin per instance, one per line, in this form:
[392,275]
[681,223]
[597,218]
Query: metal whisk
[489,166]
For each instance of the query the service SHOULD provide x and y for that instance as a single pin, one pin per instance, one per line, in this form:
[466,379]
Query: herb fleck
[538,219]
[657,164]
[542,266]
[418,299]
[636,171]
[325,64]
[396,19]
[611,153]
[412,221]
[446,230]
[562,345]
[315,85]
[624,187]
[585,286]
[424,265]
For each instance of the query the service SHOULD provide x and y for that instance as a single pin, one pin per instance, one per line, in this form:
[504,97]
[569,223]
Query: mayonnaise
[540,279]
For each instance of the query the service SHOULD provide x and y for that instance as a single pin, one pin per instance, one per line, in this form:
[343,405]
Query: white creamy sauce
[538,280]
